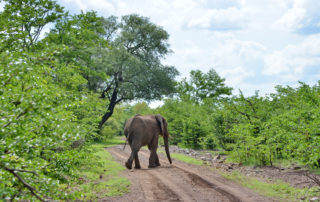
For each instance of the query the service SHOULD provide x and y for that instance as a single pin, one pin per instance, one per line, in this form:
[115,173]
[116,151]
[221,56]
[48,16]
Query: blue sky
[254,45]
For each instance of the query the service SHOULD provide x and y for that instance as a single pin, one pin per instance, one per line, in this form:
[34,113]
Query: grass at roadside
[278,190]
[183,158]
[100,175]
[186,159]
[316,171]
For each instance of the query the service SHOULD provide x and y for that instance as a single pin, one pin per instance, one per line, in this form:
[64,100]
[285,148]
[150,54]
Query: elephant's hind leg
[157,160]
[134,155]
[137,162]
[129,163]
[153,159]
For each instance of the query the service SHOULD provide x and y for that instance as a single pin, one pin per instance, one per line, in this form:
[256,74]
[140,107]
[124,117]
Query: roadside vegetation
[99,175]
[277,190]
[273,189]
[184,158]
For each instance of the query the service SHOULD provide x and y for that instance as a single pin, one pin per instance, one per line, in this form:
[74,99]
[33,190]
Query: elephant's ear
[160,121]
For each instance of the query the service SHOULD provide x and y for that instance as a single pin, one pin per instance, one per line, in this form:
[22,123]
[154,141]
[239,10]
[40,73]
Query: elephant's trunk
[166,145]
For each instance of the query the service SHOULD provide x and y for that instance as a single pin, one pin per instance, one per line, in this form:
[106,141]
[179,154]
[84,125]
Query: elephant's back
[141,123]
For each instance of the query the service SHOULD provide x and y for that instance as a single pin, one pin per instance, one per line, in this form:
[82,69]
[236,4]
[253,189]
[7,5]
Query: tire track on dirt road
[152,186]
[176,182]
[205,177]
[220,185]
[197,181]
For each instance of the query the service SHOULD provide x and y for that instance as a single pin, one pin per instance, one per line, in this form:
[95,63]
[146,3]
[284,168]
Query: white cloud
[78,3]
[291,62]
[302,16]
[220,19]
[176,13]
[233,59]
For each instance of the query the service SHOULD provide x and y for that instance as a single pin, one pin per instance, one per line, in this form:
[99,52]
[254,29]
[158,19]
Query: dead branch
[20,115]
[314,178]
[28,186]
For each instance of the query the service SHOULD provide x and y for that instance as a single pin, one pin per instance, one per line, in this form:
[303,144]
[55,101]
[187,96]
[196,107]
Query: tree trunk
[111,106]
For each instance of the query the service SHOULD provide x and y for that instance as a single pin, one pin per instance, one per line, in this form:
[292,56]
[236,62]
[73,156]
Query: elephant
[142,130]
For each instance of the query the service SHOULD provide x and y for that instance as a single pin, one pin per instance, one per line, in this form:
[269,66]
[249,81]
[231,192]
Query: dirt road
[178,182]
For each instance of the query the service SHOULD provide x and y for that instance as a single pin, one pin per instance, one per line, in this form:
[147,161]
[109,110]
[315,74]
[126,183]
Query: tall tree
[134,64]
[22,21]
[201,86]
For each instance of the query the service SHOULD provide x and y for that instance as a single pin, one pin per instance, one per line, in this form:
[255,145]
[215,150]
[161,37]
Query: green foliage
[140,108]
[283,126]
[193,118]
[255,130]
[188,124]
[88,114]
[42,127]
[85,36]
[22,21]
[202,86]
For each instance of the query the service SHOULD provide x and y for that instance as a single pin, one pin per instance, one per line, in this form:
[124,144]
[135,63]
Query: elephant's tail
[125,144]
[127,139]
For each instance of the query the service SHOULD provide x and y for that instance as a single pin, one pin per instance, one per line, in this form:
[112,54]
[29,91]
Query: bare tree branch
[8,80]
[24,171]
[314,178]
[28,186]
[20,115]
[251,105]
[244,114]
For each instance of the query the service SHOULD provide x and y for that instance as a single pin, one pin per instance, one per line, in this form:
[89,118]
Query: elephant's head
[164,132]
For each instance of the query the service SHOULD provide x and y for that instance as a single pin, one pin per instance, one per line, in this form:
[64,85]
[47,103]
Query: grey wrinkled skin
[145,130]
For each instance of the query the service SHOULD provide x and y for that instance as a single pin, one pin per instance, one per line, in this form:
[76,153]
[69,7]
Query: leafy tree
[85,35]
[134,64]
[202,86]
[22,21]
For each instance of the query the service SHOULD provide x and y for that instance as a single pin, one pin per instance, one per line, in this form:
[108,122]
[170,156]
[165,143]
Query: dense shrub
[41,111]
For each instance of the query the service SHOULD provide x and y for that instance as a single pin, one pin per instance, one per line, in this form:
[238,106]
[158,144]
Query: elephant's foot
[137,167]
[128,165]
[158,164]
[152,166]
